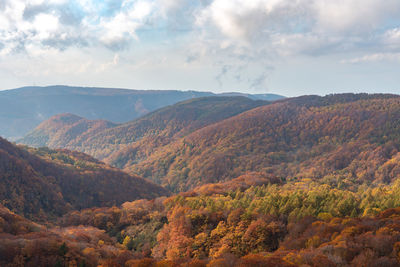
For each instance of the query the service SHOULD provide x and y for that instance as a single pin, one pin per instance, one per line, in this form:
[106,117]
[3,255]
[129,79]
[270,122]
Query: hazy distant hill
[38,183]
[130,142]
[267,97]
[23,109]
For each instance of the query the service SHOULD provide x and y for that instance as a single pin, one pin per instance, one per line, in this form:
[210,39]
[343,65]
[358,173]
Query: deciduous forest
[307,181]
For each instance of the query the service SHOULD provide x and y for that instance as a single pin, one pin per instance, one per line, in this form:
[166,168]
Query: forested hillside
[131,142]
[308,181]
[24,243]
[340,138]
[348,138]
[22,109]
[253,220]
[43,183]
[300,223]
[65,131]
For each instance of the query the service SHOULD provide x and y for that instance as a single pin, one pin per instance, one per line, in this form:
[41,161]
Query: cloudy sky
[290,47]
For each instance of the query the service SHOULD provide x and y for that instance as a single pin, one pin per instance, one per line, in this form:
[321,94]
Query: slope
[42,183]
[22,109]
[64,131]
[339,138]
[302,223]
[131,142]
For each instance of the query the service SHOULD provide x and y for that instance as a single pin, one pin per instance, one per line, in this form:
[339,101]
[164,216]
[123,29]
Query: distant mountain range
[130,142]
[23,109]
[346,138]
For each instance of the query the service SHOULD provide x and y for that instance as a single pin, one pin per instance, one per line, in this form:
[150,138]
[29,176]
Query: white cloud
[123,26]
[239,40]
[258,20]
[265,32]
[373,58]
[45,25]
[391,39]
[172,5]
[243,19]
[106,66]
[293,23]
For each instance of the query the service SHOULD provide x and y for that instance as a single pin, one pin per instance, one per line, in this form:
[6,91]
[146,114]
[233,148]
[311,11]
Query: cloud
[286,26]
[315,23]
[373,58]
[61,24]
[353,16]
[105,66]
[118,30]
[391,39]
[42,24]
[238,40]
[255,35]
[249,20]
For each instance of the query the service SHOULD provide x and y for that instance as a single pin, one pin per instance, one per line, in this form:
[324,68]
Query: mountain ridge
[151,130]
[277,138]
[22,109]
[307,181]
[285,138]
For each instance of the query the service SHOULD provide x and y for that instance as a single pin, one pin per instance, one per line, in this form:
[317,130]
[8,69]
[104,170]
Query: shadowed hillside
[41,183]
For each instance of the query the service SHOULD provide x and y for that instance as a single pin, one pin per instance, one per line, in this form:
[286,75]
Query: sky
[288,47]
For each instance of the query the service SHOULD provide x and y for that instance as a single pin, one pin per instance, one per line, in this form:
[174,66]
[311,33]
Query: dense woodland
[303,223]
[308,181]
[338,137]
[333,138]
[65,131]
[43,183]
[131,142]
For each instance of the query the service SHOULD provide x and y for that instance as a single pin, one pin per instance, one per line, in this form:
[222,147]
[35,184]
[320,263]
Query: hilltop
[350,139]
[22,109]
[123,144]
[346,139]
[65,131]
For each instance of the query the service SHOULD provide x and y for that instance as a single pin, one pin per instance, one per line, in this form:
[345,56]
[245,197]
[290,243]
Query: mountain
[65,131]
[345,139]
[266,97]
[307,181]
[43,183]
[22,109]
[130,142]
